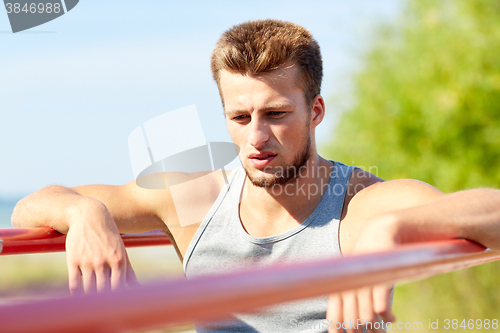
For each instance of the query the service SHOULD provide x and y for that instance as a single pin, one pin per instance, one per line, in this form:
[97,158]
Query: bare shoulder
[359,181]
[200,187]
[371,196]
[382,197]
[190,197]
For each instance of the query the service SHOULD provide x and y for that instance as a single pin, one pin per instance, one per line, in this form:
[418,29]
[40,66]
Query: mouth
[261,156]
[262,159]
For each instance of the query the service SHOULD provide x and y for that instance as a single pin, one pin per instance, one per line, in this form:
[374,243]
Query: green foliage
[426,105]
[428,98]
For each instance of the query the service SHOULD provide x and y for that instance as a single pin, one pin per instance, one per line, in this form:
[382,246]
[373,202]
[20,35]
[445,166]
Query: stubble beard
[285,173]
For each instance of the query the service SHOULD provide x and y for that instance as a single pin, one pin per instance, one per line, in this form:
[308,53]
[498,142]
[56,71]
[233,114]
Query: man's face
[269,120]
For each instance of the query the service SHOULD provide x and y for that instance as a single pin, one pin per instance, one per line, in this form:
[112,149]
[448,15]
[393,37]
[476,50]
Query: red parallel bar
[215,296]
[38,240]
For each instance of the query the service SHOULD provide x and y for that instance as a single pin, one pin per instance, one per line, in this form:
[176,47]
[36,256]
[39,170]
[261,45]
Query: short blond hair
[257,47]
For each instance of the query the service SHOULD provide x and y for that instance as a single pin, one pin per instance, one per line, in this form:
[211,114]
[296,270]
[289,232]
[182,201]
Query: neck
[291,202]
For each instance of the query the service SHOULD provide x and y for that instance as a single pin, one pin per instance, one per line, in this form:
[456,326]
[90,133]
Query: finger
[74,279]
[88,278]
[118,278]
[365,307]
[366,311]
[382,302]
[131,278]
[103,279]
[334,314]
[350,309]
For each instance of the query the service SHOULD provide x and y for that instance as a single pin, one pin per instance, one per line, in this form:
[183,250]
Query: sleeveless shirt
[221,245]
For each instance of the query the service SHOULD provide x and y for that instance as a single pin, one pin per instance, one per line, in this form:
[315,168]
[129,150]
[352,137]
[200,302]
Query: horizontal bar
[215,296]
[38,240]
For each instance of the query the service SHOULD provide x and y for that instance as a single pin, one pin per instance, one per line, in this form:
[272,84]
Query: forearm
[95,253]
[53,206]
[472,214]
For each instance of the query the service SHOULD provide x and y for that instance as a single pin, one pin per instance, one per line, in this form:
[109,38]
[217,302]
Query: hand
[368,307]
[95,253]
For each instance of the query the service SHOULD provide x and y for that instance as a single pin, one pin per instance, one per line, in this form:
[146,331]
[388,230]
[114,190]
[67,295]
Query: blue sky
[73,89]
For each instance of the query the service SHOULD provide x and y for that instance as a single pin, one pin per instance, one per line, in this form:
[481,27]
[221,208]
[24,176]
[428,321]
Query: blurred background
[412,90]
[425,104]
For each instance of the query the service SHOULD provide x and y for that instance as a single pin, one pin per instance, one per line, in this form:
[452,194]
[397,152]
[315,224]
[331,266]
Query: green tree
[426,105]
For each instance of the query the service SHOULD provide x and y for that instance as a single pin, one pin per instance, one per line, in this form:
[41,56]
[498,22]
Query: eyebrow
[268,107]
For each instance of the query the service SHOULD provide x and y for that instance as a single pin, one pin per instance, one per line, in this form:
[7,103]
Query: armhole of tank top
[346,178]
[208,217]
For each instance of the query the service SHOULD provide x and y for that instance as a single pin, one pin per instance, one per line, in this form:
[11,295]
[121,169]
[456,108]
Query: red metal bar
[215,296]
[38,240]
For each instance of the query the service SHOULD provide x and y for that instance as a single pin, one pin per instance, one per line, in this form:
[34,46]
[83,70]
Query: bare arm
[389,214]
[428,215]
[133,209]
[93,217]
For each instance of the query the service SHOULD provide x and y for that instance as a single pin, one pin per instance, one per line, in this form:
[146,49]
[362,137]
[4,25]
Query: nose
[258,133]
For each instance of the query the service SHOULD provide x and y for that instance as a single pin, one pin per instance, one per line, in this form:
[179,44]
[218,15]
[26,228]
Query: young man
[287,204]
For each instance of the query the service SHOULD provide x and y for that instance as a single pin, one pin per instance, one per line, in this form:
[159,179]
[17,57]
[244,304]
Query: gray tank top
[221,245]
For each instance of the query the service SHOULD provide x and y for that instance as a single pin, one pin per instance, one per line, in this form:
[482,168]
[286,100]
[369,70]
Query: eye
[240,117]
[277,114]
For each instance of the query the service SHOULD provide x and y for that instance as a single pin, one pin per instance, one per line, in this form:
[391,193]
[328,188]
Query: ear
[317,111]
